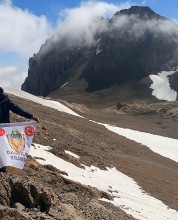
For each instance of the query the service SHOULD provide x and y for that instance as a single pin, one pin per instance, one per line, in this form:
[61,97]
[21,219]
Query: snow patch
[71,154]
[98,47]
[64,84]
[48,103]
[167,147]
[127,194]
[98,40]
[161,87]
[98,50]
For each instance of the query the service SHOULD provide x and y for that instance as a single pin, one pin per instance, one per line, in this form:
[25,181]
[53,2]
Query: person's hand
[36,119]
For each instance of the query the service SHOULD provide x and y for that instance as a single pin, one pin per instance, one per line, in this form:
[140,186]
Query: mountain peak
[126,52]
[141,11]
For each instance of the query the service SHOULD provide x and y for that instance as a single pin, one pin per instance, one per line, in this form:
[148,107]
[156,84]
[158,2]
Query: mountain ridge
[131,49]
[142,11]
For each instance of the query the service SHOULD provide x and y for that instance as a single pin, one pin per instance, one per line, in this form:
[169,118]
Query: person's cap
[1,90]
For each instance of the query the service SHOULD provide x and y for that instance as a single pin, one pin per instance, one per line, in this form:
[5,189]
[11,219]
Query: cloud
[136,27]
[12,76]
[175,20]
[80,25]
[21,31]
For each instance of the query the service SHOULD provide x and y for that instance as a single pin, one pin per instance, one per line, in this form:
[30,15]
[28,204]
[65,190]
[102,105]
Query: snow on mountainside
[167,147]
[161,86]
[127,193]
[44,102]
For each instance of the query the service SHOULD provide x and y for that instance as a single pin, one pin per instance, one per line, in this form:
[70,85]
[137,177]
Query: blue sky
[50,8]
[26,25]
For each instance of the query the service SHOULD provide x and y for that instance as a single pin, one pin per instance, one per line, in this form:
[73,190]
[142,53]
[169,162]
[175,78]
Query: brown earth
[99,147]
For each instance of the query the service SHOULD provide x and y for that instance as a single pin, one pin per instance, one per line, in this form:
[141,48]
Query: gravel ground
[99,147]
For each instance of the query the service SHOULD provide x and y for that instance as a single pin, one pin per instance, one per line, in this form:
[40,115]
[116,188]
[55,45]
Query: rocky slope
[135,43]
[43,192]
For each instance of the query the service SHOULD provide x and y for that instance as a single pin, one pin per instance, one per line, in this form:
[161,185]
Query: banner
[15,142]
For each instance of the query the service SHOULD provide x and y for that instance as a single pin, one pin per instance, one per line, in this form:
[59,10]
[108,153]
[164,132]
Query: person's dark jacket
[7,105]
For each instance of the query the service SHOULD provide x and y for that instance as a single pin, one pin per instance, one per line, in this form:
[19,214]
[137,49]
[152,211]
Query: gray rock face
[5,194]
[49,71]
[135,45]
[12,214]
[20,194]
[27,200]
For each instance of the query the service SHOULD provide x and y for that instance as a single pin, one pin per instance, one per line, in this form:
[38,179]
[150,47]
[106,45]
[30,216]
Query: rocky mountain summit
[125,50]
[142,12]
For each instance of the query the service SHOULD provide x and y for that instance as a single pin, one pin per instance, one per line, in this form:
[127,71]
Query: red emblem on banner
[2,132]
[29,131]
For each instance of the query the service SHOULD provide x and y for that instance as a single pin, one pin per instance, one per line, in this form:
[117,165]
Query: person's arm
[19,111]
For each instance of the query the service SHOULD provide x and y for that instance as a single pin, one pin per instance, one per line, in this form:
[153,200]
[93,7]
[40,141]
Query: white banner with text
[15,142]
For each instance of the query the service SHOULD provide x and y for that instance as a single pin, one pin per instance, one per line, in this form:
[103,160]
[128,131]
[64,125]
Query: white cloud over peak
[24,32]
[80,24]
[21,31]
[137,27]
